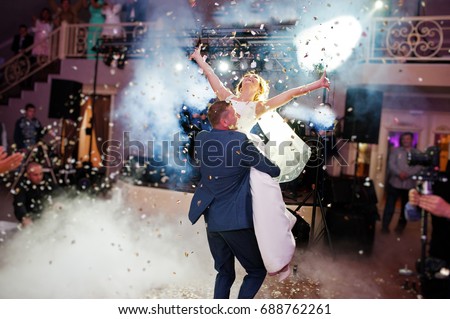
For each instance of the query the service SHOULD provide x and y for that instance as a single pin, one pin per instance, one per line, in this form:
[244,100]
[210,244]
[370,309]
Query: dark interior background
[15,12]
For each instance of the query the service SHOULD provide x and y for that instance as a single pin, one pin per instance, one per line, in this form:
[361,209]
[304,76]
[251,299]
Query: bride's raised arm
[219,89]
[286,96]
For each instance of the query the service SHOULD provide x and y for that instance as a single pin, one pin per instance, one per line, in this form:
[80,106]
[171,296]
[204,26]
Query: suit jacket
[27,132]
[30,199]
[17,46]
[223,193]
[140,11]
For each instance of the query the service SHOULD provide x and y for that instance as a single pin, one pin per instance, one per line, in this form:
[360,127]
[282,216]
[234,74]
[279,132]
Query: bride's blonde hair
[263,92]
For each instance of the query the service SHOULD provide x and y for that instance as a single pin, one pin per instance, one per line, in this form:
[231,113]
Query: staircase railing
[23,65]
[73,41]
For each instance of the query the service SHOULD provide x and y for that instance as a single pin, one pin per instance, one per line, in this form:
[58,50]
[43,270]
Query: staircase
[21,71]
[29,83]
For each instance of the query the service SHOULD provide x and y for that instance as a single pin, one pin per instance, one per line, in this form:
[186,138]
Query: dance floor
[138,243]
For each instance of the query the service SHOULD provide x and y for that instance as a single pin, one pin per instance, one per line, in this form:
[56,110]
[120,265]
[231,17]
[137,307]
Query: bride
[272,222]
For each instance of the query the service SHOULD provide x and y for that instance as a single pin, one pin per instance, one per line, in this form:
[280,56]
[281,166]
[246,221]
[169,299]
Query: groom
[223,198]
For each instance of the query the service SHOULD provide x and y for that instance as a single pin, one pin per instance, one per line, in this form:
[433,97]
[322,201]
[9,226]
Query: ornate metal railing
[425,39]
[70,41]
[26,63]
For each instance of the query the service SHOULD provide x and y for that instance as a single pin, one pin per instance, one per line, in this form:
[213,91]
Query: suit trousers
[393,194]
[242,244]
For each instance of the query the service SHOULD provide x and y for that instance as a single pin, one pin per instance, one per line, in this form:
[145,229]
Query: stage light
[223,66]
[115,56]
[178,67]
[378,5]
[329,44]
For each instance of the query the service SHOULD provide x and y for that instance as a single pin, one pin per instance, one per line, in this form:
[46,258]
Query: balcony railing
[421,39]
[25,64]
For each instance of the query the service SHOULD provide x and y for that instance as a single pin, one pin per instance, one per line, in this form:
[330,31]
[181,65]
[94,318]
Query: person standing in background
[94,32]
[22,40]
[111,29]
[438,205]
[28,130]
[42,29]
[66,11]
[33,194]
[135,10]
[400,181]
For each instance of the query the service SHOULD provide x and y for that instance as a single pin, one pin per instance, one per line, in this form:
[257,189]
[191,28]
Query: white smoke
[166,80]
[322,117]
[138,243]
[101,248]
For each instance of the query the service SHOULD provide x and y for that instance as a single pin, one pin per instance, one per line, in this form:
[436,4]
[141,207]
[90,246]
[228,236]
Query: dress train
[272,221]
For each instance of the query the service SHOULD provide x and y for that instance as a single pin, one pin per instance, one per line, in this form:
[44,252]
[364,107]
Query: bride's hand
[324,81]
[196,54]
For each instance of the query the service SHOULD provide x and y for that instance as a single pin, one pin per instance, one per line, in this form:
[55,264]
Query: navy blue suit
[223,197]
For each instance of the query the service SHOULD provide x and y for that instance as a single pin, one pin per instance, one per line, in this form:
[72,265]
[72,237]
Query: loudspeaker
[348,191]
[362,115]
[65,99]
[352,229]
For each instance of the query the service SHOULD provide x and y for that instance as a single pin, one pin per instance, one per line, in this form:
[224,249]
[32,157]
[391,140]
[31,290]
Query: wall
[77,70]
[15,13]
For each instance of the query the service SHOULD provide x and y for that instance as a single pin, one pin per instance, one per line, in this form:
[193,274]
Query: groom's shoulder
[222,134]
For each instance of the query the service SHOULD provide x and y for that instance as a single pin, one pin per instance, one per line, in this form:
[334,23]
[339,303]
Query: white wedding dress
[272,221]
[111,27]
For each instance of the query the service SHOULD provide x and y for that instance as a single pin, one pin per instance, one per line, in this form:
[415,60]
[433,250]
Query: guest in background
[201,121]
[135,10]
[28,129]
[399,182]
[438,205]
[22,40]
[66,11]
[95,9]
[111,30]
[42,29]
[32,194]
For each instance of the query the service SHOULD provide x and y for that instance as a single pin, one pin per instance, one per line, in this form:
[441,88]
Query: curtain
[92,137]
